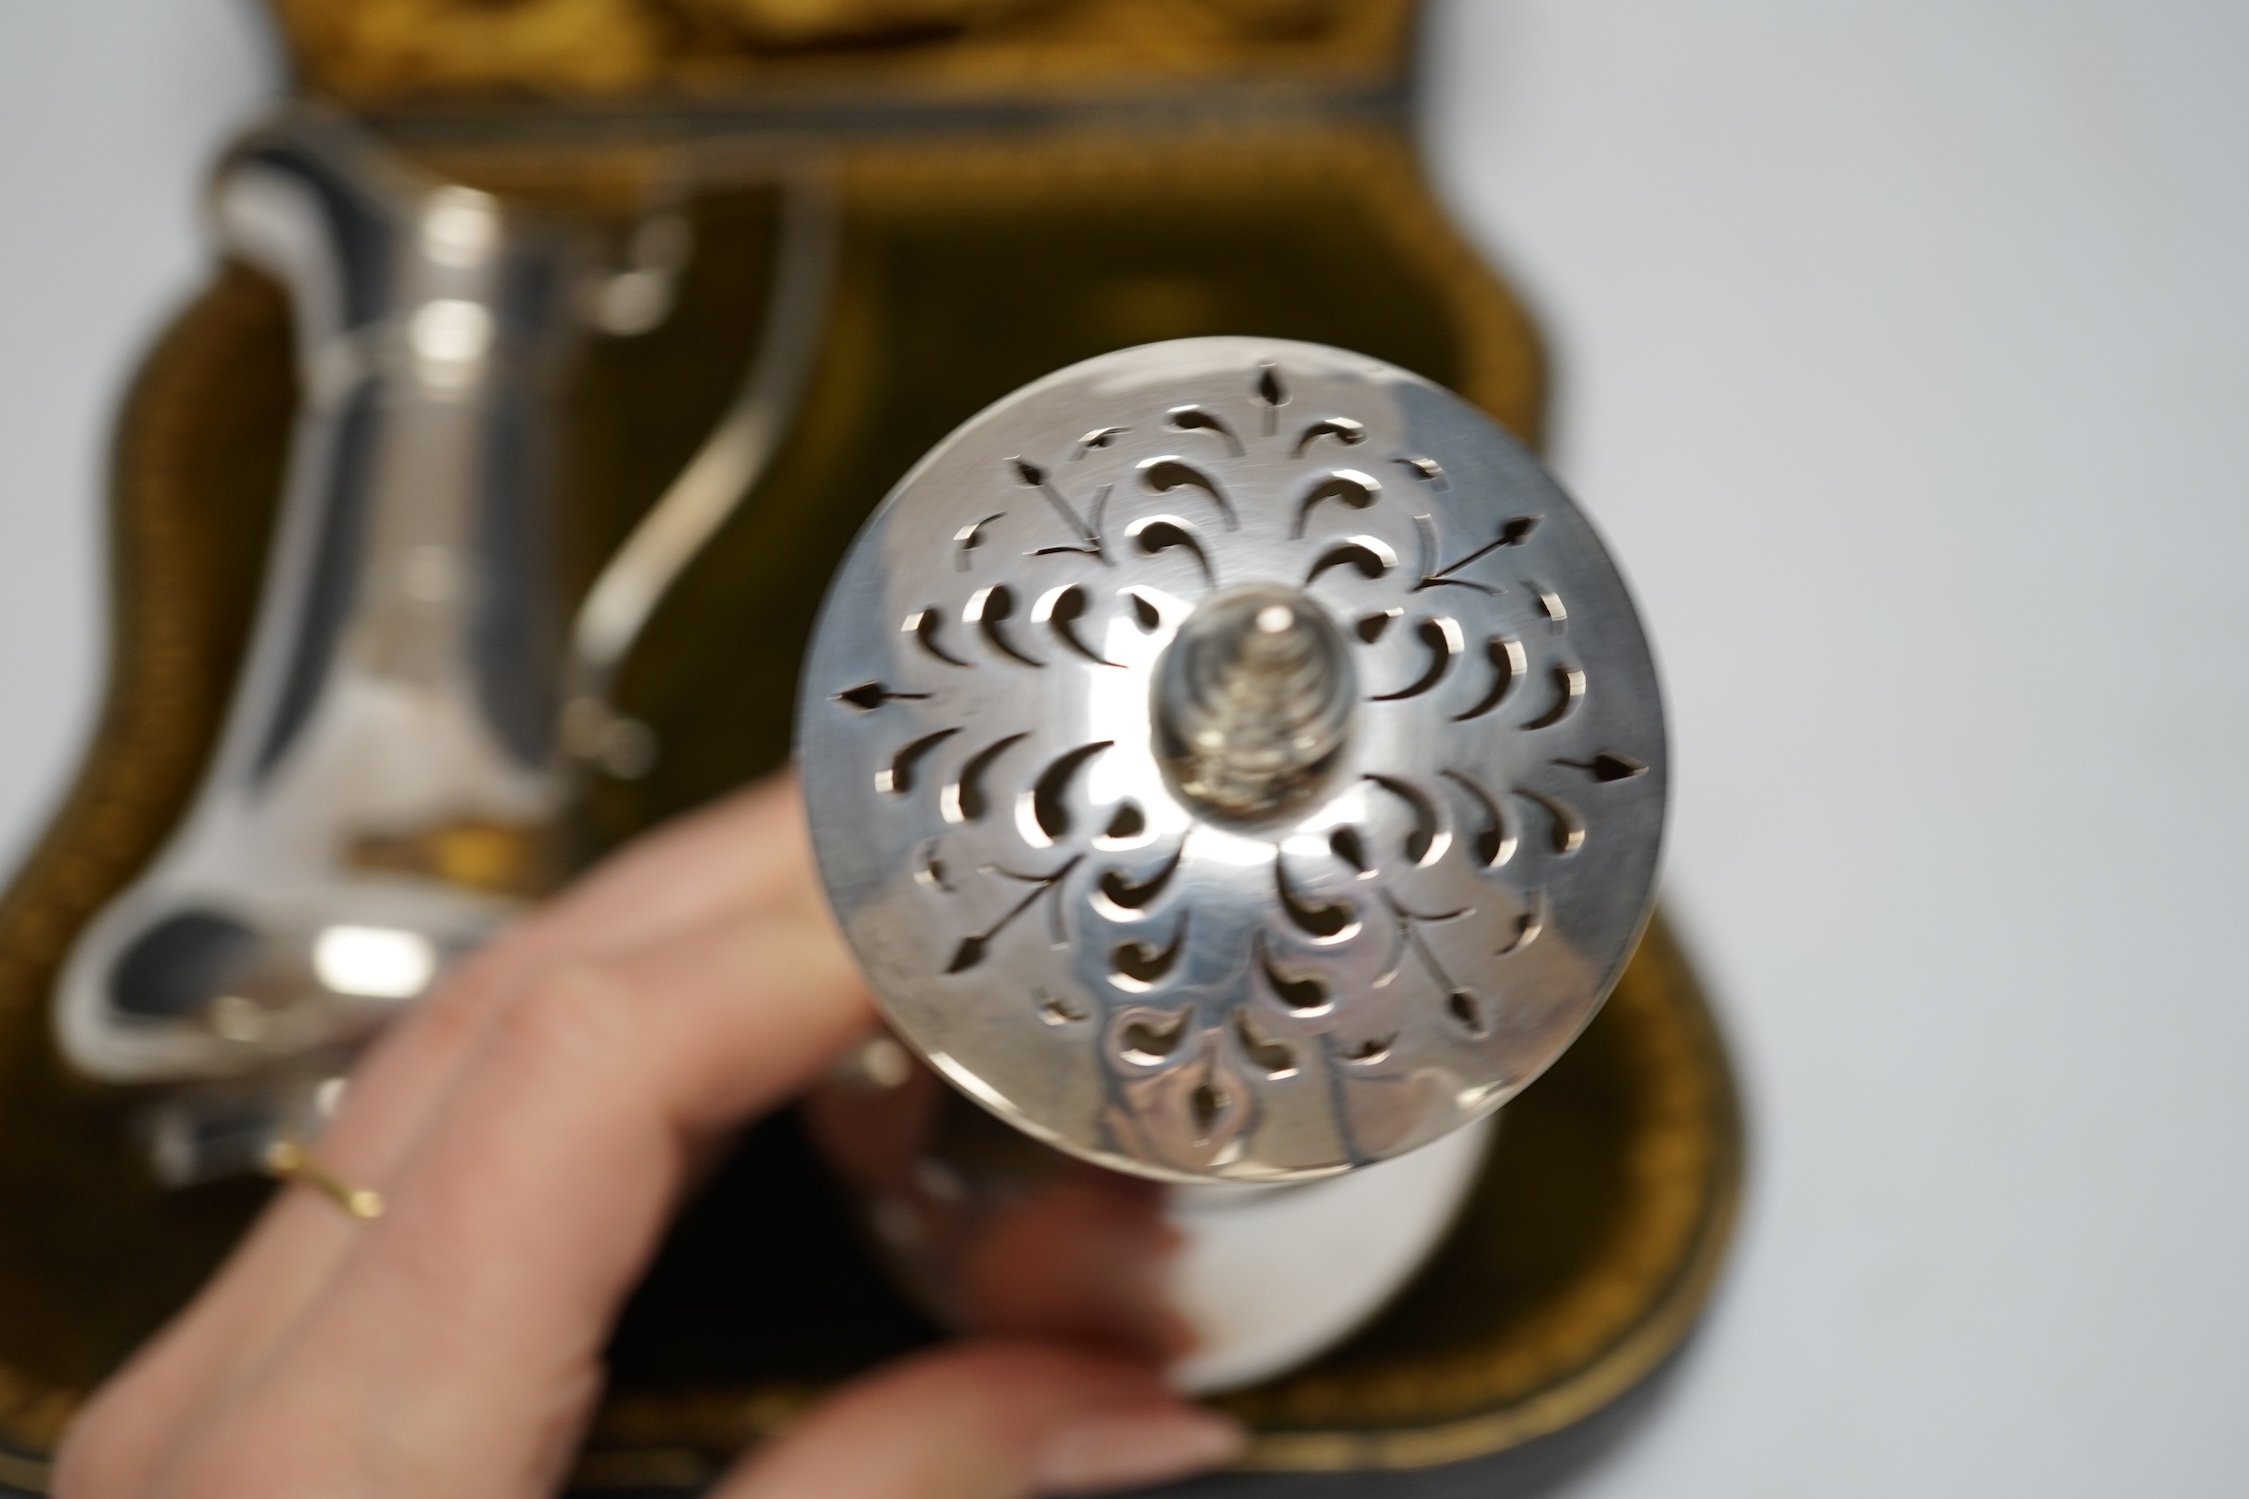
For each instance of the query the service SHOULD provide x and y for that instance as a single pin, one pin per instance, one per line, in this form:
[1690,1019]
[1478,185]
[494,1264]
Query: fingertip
[994,1419]
[1114,1450]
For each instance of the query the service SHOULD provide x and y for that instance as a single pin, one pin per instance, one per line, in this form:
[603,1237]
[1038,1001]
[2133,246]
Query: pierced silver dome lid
[1234,759]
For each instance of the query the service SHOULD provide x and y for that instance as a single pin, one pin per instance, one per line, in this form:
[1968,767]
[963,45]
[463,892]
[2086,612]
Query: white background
[1903,352]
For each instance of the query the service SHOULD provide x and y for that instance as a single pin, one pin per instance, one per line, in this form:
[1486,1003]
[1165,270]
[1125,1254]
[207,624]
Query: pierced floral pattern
[1090,952]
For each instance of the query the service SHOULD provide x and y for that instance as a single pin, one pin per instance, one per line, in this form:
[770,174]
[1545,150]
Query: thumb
[990,1420]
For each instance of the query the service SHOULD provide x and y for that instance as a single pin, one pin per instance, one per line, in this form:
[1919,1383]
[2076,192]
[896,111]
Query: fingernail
[1113,1450]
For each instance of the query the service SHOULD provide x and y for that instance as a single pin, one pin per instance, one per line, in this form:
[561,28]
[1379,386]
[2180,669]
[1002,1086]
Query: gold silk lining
[383,53]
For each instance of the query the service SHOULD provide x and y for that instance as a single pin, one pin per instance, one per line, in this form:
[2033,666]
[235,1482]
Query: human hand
[532,1127]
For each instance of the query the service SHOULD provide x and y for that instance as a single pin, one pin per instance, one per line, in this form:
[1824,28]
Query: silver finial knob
[1253,699]
[1234,759]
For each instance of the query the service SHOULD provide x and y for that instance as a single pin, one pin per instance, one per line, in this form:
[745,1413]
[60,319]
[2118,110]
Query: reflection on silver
[1225,1284]
[373,962]
[389,780]
[1253,702]
[1270,1277]
[1183,913]
[381,791]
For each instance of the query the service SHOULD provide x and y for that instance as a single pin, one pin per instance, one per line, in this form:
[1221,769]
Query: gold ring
[286,1160]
